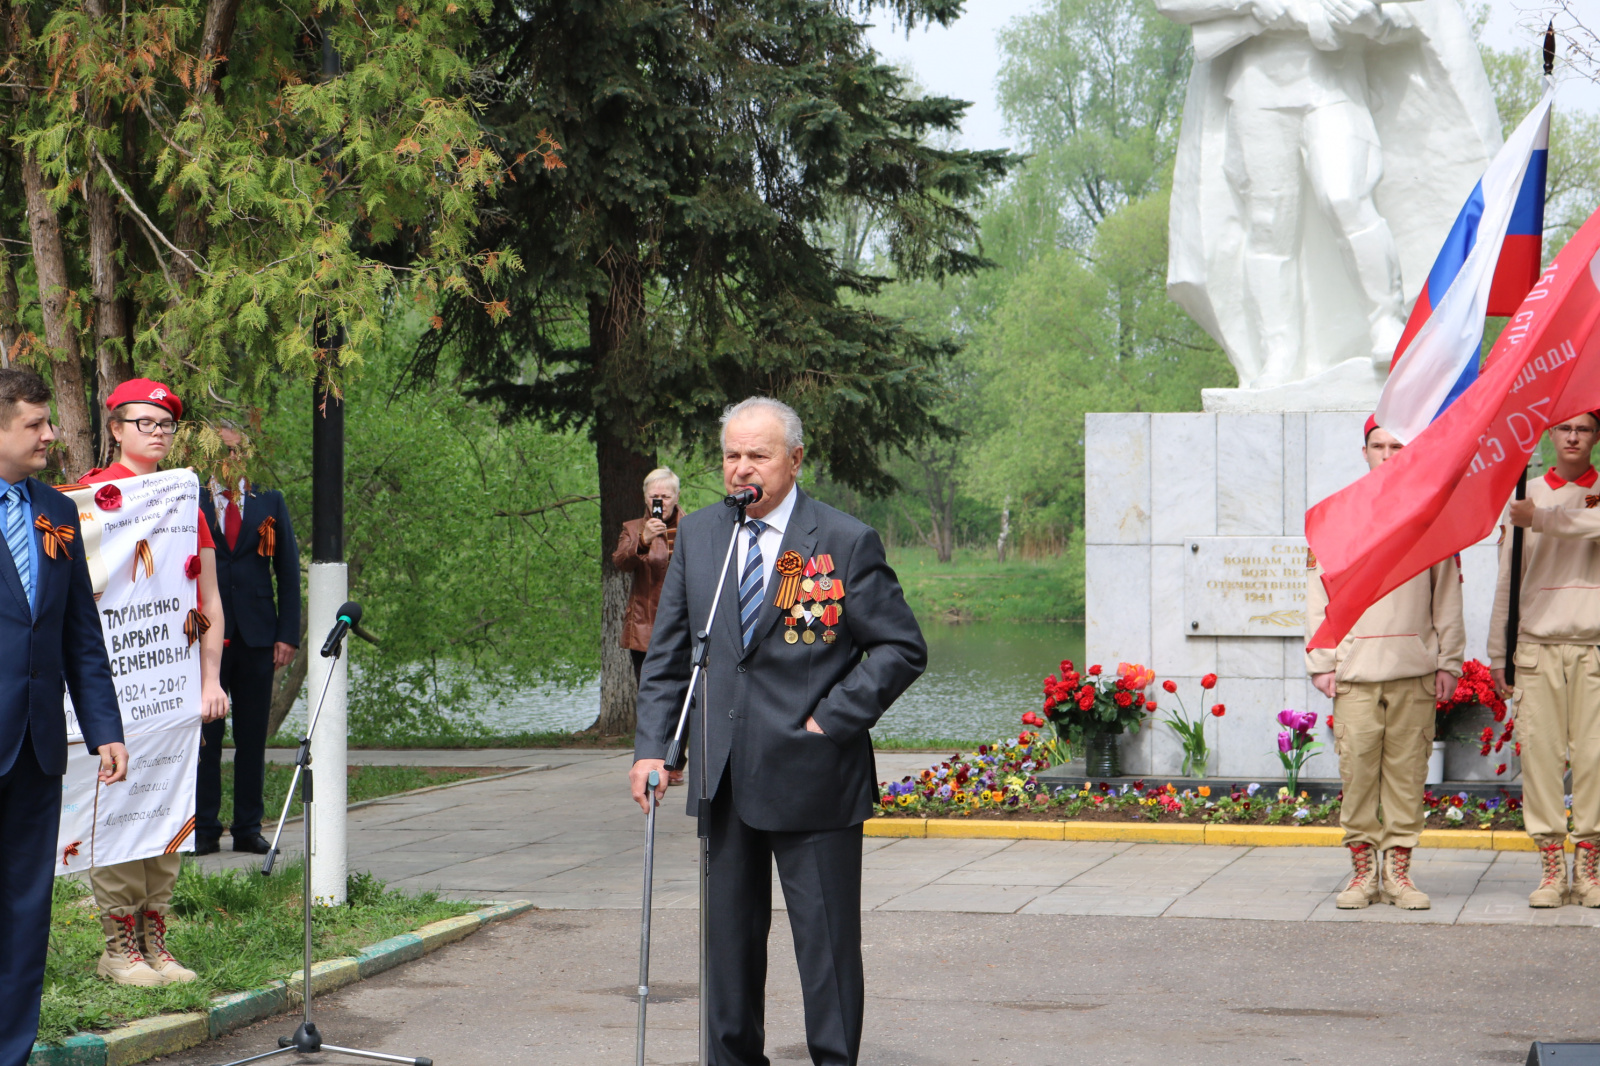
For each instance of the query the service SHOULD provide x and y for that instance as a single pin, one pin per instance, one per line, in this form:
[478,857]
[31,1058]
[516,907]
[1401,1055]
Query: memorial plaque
[1244,586]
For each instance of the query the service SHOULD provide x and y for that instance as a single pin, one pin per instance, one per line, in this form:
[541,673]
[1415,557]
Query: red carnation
[1094,671]
[1209,681]
[1085,702]
[1219,710]
[191,566]
[109,498]
[1170,685]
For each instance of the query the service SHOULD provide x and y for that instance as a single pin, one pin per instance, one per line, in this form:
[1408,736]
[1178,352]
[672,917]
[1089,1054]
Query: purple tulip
[1287,718]
[1285,742]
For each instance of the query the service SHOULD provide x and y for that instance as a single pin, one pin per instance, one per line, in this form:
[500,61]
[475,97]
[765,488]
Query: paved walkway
[565,835]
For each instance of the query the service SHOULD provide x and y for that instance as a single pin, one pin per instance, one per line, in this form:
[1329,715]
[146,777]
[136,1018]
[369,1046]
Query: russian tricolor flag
[1487,265]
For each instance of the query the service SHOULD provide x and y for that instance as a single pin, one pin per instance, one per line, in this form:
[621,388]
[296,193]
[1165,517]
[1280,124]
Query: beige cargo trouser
[1557,701]
[140,885]
[1383,733]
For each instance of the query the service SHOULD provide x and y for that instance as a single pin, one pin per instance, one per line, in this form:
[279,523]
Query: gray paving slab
[568,837]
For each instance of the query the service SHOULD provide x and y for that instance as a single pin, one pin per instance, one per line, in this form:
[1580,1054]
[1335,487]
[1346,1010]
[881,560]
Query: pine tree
[679,261]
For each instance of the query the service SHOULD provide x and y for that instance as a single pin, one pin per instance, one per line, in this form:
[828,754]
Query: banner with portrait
[141,539]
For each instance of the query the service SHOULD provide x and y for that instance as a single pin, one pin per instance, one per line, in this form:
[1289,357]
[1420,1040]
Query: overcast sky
[962,61]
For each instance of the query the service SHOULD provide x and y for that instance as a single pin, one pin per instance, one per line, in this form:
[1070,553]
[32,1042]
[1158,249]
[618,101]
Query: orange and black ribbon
[142,556]
[68,852]
[1591,501]
[55,538]
[268,532]
[195,626]
[789,564]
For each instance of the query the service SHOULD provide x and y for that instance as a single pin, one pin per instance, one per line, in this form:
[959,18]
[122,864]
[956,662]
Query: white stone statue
[1326,148]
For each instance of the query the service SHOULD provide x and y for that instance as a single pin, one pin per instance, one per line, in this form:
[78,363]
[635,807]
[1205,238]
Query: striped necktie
[17,539]
[750,583]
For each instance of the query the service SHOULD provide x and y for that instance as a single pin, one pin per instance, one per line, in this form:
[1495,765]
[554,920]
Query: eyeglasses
[147,426]
[1567,429]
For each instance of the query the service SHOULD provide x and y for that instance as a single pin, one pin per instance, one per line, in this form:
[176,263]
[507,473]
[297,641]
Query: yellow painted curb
[895,827]
[989,830]
[161,1035]
[1280,836]
[325,977]
[437,934]
[1255,836]
[1135,832]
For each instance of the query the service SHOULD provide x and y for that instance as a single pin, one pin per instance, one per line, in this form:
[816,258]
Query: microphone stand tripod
[307,1039]
[674,760]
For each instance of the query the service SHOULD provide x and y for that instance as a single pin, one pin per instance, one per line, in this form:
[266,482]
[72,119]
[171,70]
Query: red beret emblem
[108,497]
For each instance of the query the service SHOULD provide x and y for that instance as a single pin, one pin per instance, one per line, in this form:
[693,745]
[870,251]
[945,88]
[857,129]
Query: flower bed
[998,781]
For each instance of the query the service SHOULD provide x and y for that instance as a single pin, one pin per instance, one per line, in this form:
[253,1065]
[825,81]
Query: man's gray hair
[793,432]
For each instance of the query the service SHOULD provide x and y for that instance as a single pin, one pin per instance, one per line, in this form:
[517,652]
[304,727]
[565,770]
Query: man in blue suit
[255,544]
[50,633]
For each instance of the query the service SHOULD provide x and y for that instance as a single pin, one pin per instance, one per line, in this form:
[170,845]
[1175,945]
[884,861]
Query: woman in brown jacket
[644,549]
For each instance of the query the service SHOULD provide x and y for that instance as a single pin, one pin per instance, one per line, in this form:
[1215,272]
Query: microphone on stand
[744,496]
[348,615]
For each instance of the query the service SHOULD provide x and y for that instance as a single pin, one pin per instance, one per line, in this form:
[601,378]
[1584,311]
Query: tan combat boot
[1397,886]
[1552,890]
[153,927]
[123,962]
[1362,890]
[1586,874]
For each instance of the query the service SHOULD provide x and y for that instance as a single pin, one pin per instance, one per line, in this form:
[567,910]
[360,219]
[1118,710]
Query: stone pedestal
[1157,484]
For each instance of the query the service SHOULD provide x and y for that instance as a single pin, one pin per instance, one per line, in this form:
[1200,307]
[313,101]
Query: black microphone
[744,497]
[348,615]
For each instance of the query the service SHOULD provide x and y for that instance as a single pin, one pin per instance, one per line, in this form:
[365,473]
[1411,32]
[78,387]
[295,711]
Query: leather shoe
[255,843]
[207,845]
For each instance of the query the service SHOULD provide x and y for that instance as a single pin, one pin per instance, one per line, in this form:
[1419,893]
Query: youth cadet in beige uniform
[1384,679]
[1557,693]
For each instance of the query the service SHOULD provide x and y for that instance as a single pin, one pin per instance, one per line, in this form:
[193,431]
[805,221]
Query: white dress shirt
[771,539]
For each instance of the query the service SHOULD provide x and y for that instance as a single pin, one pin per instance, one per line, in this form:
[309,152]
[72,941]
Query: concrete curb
[1252,836]
[168,1033]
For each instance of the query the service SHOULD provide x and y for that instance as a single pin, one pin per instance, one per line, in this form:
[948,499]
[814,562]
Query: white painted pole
[328,589]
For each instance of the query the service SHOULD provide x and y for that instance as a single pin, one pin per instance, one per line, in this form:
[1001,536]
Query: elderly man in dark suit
[812,643]
[49,633]
[255,543]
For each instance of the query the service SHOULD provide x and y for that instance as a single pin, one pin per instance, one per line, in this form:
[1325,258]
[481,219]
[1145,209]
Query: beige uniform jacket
[1560,569]
[1412,632]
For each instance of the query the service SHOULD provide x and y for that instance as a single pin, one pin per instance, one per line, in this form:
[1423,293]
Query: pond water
[981,677]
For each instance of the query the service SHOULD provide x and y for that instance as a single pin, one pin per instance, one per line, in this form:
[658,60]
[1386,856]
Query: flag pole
[1514,607]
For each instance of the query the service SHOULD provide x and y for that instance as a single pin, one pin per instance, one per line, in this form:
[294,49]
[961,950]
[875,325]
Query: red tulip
[1170,685]
[1219,710]
[1209,681]
[1150,705]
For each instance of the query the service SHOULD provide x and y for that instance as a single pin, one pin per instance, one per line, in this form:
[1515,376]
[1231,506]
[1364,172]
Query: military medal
[830,618]
[789,635]
[789,564]
[809,636]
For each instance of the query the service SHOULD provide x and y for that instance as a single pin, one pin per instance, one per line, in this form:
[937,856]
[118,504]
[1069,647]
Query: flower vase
[1102,756]
[1436,764]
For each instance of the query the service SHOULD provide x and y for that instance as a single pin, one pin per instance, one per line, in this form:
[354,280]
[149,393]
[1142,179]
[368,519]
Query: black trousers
[247,678]
[821,877]
[30,813]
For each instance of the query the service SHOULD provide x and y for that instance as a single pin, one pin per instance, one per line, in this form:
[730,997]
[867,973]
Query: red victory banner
[1447,488]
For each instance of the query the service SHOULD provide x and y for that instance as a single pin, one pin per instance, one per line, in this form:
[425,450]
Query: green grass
[237,930]
[972,587]
[365,782]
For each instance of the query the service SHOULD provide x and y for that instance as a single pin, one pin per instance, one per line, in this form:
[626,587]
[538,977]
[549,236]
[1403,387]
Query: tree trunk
[286,683]
[50,267]
[1005,530]
[10,301]
[622,468]
[112,362]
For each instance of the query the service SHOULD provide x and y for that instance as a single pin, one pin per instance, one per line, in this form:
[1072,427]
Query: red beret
[1372,424]
[143,390]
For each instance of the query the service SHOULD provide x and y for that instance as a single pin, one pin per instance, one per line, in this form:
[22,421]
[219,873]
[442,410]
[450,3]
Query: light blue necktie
[17,540]
[750,584]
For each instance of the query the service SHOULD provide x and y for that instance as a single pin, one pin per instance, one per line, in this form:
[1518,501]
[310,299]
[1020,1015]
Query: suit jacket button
[741,669]
[730,714]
